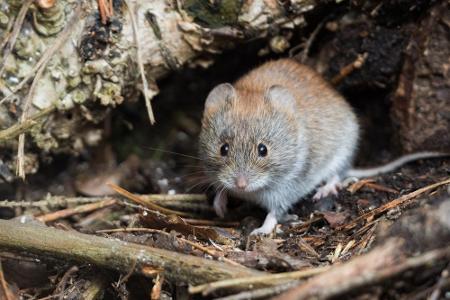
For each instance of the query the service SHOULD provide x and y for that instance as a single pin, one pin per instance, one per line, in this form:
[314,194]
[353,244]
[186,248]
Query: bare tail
[361,173]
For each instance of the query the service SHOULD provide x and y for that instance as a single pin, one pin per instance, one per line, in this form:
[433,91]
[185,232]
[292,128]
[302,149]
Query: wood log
[114,254]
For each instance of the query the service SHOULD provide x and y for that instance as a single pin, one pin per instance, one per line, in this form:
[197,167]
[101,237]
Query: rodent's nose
[241,181]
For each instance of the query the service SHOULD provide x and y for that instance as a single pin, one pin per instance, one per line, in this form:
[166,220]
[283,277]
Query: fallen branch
[22,127]
[60,214]
[113,254]
[148,204]
[394,203]
[183,240]
[381,263]
[248,282]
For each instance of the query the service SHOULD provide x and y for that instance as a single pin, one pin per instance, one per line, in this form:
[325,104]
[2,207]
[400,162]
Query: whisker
[173,153]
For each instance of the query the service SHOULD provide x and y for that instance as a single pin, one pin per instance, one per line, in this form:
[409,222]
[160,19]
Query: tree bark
[113,254]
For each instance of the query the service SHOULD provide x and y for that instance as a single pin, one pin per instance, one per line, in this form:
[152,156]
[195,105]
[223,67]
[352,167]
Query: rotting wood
[272,279]
[394,203]
[381,263]
[114,254]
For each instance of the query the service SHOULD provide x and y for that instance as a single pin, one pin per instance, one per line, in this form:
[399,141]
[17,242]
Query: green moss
[214,13]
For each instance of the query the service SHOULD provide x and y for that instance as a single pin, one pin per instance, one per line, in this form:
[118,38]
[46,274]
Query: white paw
[220,204]
[326,190]
[261,231]
[268,226]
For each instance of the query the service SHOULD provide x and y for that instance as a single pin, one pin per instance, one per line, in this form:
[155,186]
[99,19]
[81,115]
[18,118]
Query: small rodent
[275,135]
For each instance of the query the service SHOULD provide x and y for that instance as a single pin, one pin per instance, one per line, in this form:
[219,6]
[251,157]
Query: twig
[48,54]
[114,254]
[194,245]
[140,63]
[176,197]
[11,42]
[380,264]
[156,289]
[394,203]
[148,204]
[22,127]
[7,34]
[50,217]
[4,285]
[348,69]
[271,279]
[105,9]
[62,283]
[308,44]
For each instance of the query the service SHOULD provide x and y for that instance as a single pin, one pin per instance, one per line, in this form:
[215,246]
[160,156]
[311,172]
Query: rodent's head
[249,139]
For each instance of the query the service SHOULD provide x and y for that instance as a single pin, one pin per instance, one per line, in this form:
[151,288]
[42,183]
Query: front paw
[261,231]
[268,226]
[220,204]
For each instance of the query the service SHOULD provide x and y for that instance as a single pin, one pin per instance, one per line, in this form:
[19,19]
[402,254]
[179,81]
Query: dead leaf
[172,222]
[335,219]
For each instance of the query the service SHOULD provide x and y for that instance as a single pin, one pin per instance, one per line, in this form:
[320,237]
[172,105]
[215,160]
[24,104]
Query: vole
[277,134]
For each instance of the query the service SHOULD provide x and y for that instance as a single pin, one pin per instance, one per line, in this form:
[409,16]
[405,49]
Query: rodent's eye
[224,149]
[262,150]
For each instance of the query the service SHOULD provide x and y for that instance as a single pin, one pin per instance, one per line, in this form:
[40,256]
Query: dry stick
[348,69]
[64,201]
[380,264]
[305,52]
[62,283]
[147,204]
[140,63]
[7,33]
[19,128]
[14,34]
[48,54]
[114,254]
[4,286]
[53,216]
[394,203]
[52,201]
[176,197]
[156,289]
[194,245]
[271,279]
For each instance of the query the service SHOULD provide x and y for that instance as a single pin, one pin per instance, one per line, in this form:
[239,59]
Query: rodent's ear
[280,96]
[220,95]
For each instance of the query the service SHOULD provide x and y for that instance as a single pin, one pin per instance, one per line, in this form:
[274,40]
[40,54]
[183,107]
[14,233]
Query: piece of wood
[114,254]
[421,101]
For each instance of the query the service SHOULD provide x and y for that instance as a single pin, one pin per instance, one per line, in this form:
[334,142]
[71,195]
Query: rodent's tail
[361,173]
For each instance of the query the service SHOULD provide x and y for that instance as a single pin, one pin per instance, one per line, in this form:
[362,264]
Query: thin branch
[14,34]
[48,54]
[114,254]
[53,216]
[380,264]
[394,203]
[251,281]
[194,245]
[149,204]
[22,127]
[140,63]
